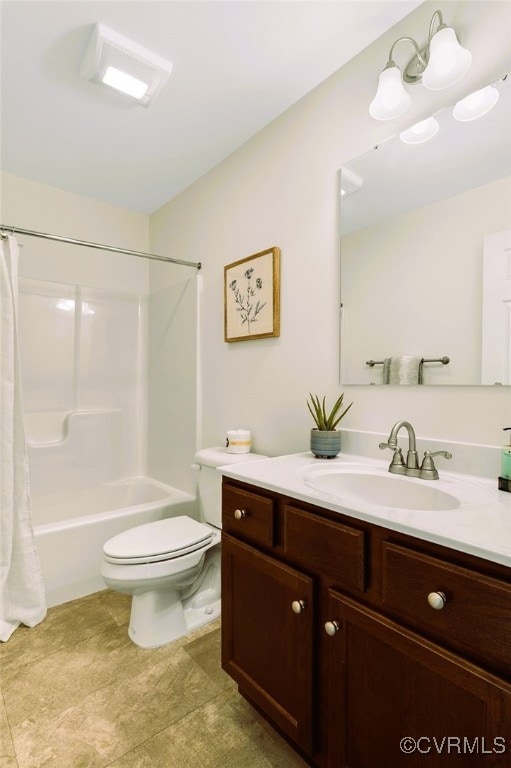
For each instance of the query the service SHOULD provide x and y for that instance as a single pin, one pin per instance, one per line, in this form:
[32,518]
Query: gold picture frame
[252,297]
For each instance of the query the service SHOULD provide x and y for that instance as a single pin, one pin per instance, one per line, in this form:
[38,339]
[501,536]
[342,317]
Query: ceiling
[236,66]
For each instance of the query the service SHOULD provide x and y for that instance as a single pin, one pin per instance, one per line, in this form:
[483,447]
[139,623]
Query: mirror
[426,254]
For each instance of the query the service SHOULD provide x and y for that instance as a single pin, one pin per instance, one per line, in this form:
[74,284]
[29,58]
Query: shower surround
[85,384]
[83,357]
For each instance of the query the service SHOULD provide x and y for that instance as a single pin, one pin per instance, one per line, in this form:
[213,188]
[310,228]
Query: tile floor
[77,693]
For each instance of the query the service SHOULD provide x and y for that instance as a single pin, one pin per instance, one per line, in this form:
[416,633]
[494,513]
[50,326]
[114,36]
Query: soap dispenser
[505,465]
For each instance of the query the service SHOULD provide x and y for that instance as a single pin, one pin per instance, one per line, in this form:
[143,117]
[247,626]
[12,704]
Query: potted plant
[325,438]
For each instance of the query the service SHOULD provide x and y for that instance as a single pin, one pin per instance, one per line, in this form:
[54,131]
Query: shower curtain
[22,594]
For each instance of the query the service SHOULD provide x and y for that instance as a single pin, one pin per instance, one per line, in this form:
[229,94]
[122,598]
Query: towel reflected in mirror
[406,369]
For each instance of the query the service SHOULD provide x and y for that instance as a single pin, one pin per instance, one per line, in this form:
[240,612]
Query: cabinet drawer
[248,514]
[476,616]
[333,549]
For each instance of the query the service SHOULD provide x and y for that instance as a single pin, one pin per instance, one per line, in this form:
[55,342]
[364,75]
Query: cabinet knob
[331,627]
[239,514]
[298,606]
[437,600]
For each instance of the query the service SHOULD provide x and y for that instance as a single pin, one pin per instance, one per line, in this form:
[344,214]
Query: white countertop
[480,526]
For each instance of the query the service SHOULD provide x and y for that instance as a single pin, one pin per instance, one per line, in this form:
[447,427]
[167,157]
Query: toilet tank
[210,479]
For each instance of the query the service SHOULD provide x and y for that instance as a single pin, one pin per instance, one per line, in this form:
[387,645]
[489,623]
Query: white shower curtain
[22,594]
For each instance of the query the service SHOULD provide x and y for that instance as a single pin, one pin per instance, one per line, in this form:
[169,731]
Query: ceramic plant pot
[325,444]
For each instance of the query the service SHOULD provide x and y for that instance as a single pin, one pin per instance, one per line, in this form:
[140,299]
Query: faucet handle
[428,455]
[397,459]
[428,470]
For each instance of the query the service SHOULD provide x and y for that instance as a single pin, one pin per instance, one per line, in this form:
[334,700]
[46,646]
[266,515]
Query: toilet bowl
[171,567]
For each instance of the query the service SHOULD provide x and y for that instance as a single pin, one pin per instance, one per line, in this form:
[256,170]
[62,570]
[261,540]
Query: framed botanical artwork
[252,297]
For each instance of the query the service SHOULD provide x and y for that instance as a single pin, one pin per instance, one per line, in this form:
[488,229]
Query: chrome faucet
[427,470]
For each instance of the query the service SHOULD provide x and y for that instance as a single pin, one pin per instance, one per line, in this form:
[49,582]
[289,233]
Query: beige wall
[31,205]
[280,189]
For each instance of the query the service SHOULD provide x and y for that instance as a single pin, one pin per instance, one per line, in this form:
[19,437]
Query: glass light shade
[448,61]
[476,104]
[391,99]
[420,132]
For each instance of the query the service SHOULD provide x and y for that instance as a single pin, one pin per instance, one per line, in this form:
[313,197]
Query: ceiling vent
[116,62]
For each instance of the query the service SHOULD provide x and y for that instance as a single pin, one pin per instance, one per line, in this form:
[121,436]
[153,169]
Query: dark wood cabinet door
[267,628]
[397,700]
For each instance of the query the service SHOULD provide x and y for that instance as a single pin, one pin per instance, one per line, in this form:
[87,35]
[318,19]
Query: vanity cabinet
[389,686]
[351,638]
[267,637]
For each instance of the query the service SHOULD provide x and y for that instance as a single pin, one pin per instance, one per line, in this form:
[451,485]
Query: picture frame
[252,297]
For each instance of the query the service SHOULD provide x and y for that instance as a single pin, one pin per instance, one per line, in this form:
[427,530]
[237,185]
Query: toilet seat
[160,540]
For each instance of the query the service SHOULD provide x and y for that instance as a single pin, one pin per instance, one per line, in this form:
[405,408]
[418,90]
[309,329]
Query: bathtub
[71,527]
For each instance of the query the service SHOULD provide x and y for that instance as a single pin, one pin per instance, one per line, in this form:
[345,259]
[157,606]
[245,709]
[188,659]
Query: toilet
[171,567]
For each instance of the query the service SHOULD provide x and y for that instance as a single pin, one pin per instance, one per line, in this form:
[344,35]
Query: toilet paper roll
[238,441]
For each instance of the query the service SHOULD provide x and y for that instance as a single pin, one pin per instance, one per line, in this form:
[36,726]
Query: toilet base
[156,618]
[159,616]
[153,624]
[199,617]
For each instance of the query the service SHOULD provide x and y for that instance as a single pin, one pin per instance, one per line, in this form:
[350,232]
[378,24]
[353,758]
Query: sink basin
[375,487]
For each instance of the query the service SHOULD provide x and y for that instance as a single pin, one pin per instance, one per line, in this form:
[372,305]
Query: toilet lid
[160,540]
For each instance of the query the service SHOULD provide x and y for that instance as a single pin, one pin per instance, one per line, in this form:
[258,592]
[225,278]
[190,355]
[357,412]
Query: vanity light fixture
[476,104]
[420,132]
[391,99]
[439,64]
[116,62]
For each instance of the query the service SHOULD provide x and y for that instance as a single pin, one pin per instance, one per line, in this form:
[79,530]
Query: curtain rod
[4,229]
